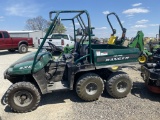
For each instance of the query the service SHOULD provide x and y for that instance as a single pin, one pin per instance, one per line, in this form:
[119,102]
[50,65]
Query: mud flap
[41,81]
[3,99]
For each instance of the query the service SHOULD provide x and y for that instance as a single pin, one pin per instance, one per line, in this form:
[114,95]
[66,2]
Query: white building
[33,34]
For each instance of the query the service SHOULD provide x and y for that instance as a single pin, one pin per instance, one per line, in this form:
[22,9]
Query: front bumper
[5,74]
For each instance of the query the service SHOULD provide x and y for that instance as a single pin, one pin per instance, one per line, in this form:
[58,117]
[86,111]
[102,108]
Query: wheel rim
[24,49]
[121,86]
[23,98]
[91,88]
[142,59]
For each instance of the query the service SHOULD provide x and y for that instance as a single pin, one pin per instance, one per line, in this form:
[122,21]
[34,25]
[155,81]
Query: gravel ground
[140,104]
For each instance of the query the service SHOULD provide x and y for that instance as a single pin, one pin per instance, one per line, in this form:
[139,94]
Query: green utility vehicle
[87,70]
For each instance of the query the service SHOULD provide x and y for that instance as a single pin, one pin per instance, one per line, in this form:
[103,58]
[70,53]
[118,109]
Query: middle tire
[89,87]
[119,85]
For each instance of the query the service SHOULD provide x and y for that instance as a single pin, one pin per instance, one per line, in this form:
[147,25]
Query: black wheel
[119,85]
[23,48]
[11,50]
[89,87]
[23,97]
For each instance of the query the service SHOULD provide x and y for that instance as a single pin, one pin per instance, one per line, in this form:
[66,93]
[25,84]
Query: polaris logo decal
[101,53]
[25,67]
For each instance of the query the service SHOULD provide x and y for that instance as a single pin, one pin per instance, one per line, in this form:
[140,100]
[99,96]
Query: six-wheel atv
[88,69]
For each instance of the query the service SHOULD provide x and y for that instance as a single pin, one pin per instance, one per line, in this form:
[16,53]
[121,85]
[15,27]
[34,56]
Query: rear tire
[23,48]
[23,97]
[11,50]
[89,87]
[119,85]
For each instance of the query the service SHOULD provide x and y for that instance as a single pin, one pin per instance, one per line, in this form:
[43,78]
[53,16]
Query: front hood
[29,57]
[24,64]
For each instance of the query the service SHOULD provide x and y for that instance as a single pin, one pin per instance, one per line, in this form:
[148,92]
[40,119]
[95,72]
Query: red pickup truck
[13,44]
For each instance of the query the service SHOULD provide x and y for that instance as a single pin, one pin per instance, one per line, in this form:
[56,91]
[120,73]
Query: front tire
[119,85]
[23,48]
[23,97]
[89,87]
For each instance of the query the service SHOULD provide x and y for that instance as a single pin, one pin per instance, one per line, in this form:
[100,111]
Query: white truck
[60,40]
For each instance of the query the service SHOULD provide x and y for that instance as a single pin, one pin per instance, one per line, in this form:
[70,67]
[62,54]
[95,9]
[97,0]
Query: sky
[134,14]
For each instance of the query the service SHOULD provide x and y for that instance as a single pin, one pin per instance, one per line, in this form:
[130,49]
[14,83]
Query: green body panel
[23,66]
[112,54]
[145,51]
[138,41]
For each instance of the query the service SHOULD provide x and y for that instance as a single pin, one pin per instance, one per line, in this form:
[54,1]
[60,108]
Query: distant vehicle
[13,44]
[60,40]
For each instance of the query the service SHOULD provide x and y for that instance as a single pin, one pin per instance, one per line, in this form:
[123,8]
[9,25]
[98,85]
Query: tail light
[62,42]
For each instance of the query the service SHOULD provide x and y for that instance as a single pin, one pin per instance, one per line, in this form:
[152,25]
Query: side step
[60,85]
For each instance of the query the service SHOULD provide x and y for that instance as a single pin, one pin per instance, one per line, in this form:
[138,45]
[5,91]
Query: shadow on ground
[140,90]
[60,97]
[10,53]
[55,98]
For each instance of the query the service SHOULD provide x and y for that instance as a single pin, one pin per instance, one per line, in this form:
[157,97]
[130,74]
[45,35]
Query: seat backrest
[83,50]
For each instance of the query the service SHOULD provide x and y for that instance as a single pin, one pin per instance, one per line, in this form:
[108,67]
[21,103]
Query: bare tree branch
[38,23]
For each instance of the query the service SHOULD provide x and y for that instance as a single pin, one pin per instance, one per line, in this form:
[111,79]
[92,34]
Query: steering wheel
[54,48]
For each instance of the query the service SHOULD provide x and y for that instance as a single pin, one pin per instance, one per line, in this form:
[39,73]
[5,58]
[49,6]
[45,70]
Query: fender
[41,81]
[23,42]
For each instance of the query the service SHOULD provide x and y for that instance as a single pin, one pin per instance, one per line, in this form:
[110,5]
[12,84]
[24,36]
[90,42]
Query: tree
[58,29]
[37,23]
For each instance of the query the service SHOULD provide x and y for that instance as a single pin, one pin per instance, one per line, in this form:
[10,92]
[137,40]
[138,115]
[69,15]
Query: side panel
[16,41]
[73,70]
[115,56]
[1,41]
[7,41]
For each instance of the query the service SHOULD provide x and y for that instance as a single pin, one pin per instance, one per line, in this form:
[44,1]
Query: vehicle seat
[95,41]
[83,52]
[118,41]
